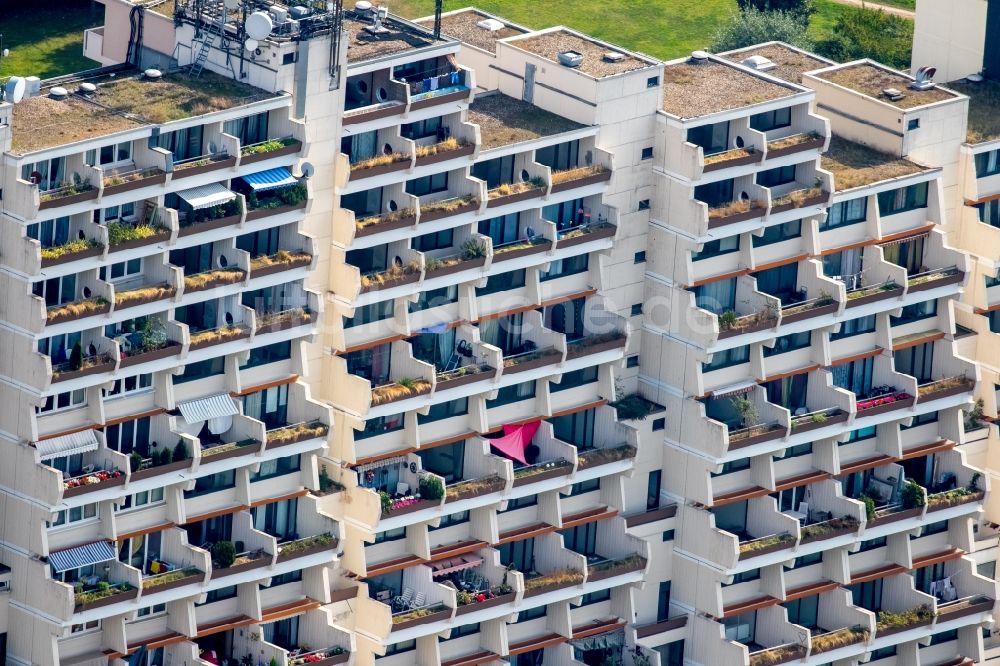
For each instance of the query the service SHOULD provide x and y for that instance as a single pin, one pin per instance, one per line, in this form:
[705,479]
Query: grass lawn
[46,38]
[902,4]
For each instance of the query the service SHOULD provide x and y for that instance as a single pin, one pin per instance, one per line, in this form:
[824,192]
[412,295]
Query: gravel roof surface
[550,44]
[462,26]
[857,165]
[790,63]
[871,80]
[505,120]
[692,90]
[363,45]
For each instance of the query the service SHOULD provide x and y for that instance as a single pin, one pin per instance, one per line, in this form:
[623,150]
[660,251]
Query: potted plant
[223,554]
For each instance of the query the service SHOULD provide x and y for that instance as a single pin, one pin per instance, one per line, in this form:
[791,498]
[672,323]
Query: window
[647,153]
[934,528]
[596,597]
[584,487]
[921,419]
[652,82]
[807,560]
[855,326]
[632,361]
[903,199]
[111,154]
[249,129]
[277,467]
[988,163]
[717,248]
[636,309]
[855,376]
[63,401]
[581,539]
[452,519]
[787,343]
[872,544]
[639,257]
[663,602]
[519,553]
[653,489]
[284,579]
[883,653]
[56,291]
[575,378]
[447,461]
[845,213]
[445,410]
[796,451]
[92,625]
[776,176]
[532,613]
[512,393]
[154,496]
[732,466]
[804,611]
[48,174]
[912,124]
[501,229]
[435,241]
[372,312]
[672,654]
[421,129]
[989,212]
[400,647]
[712,138]
[127,385]
[915,312]
[779,233]
[437,182]
[390,535]
[717,296]
[727,358]
[715,194]
[741,628]
[916,361]
[201,370]
[868,595]
[495,172]
[744,577]
[644,204]
[502,282]
[219,594]
[150,611]
[859,435]
[520,503]
[76,515]
[279,351]
[462,630]
[212,483]
[563,267]
[769,120]
[433,298]
[659,424]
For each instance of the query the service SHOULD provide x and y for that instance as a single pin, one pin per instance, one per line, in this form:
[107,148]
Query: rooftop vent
[613,56]
[298,12]
[571,58]
[760,63]
[974,78]
[58,92]
[491,24]
[362,6]
[699,57]
[924,78]
[893,94]
[86,88]
[153,74]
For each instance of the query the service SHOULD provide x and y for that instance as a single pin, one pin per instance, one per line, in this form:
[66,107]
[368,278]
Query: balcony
[219,216]
[777,655]
[150,228]
[795,143]
[266,150]
[451,86]
[944,388]
[295,433]
[82,366]
[380,165]
[276,201]
[582,176]
[934,278]
[734,212]
[474,253]
[249,549]
[272,322]
[469,488]
[171,579]
[731,158]
[396,276]
[306,546]
[213,279]
[440,209]
[585,233]
[799,198]
[126,181]
[71,251]
[282,260]
[194,166]
[590,458]
[66,195]
[510,193]
[520,248]
[397,219]
[219,335]
[442,151]
[808,308]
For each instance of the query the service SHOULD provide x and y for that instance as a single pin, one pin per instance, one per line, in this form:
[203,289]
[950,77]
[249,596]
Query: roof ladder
[216,30]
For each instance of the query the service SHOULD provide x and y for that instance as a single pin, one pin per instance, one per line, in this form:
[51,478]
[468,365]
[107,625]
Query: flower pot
[211,342]
[889,631]
[836,532]
[181,582]
[271,269]
[103,485]
[947,392]
[773,548]
[69,316]
[419,505]
[284,324]
[753,213]
[465,493]
[299,437]
[599,177]
[126,595]
[617,570]
[534,592]
[341,658]
[143,301]
[231,453]
[896,516]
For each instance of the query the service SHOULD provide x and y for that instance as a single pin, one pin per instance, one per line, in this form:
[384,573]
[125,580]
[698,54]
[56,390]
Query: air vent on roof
[699,57]
[58,92]
[760,63]
[153,74]
[298,12]
[86,88]
[893,94]
[491,24]
[571,58]
[924,78]
[974,78]
[362,6]
[613,56]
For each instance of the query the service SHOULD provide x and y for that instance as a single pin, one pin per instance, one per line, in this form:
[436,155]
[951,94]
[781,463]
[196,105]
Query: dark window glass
[769,120]
[903,199]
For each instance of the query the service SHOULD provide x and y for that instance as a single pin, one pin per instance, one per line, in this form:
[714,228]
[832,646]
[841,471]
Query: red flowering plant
[882,400]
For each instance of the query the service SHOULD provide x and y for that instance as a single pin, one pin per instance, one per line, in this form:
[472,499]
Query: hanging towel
[425,85]
[455,79]
[434,84]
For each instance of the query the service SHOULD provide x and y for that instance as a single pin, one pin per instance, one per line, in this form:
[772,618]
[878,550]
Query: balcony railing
[541,471]
[818,419]
[282,260]
[294,433]
[884,403]
[69,193]
[227,450]
[794,144]
[813,307]
[755,434]
[436,210]
[735,211]
[954,497]
[596,457]
[778,655]
[977,603]
[270,322]
[325,657]
[888,623]
[306,546]
[126,181]
[529,360]
[86,365]
[934,278]
[399,390]
[594,344]
[828,529]
[102,594]
[422,615]
[390,277]
[170,579]
[519,248]
[579,177]
[465,374]
[765,544]
[731,323]
[833,640]
[212,279]
[202,164]
[71,251]
[219,335]
[808,196]
[942,388]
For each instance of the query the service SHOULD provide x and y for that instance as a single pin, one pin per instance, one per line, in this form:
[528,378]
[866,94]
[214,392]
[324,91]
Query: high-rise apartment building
[329,340]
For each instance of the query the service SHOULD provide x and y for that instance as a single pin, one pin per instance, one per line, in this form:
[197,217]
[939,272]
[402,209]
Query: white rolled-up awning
[734,389]
[207,196]
[218,410]
[67,445]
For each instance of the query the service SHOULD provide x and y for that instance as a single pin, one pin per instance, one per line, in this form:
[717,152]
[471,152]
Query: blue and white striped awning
[272,179]
[81,556]
[67,445]
[207,196]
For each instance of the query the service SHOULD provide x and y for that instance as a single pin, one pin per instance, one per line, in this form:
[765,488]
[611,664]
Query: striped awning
[445,567]
[67,445]
[205,409]
[272,179]
[386,462]
[734,389]
[81,556]
[908,239]
[207,196]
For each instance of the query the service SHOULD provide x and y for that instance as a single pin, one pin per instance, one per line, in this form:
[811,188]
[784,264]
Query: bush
[163,456]
[913,495]
[223,554]
[752,26]
[869,507]
[867,33]
[431,488]
[76,357]
[800,9]
[135,461]
[180,451]
[385,499]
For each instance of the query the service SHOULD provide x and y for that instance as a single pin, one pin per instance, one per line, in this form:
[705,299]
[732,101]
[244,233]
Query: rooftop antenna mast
[336,32]
[438,6]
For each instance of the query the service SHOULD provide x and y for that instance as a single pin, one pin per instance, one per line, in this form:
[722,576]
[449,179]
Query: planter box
[209,342]
[810,313]
[877,296]
[716,222]
[204,168]
[618,570]
[258,213]
[776,431]
[882,409]
[592,179]
[752,158]
[751,328]
[127,595]
[954,278]
[515,198]
[538,248]
[434,100]
[857,638]
[150,472]
[232,453]
[543,360]
[967,499]
[171,349]
[301,437]
[437,616]
[159,237]
[389,284]
[811,144]
[89,195]
[73,256]
[284,324]
[815,425]
[488,373]
[384,111]
[208,225]
[446,155]
[579,351]
[85,372]
[948,392]
[534,592]
[409,394]
[379,227]
[307,551]
[879,633]
[588,462]
[896,516]
[492,488]
[420,505]
[381,169]
[83,490]
[605,231]
[220,281]
[187,580]
[259,563]
[558,470]
[984,606]
[290,149]
[798,653]
[432,215]
[809,201]
[271,269]
[773,548]
[840,531]
[155,179]
[341,658]
[464,265]
[69,316]
[144,301]
[489,603]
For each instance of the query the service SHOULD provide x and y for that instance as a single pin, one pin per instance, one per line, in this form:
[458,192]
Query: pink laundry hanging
[515,440]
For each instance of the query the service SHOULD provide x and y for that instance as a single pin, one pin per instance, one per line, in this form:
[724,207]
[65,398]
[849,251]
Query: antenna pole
[336,30]
[438,6]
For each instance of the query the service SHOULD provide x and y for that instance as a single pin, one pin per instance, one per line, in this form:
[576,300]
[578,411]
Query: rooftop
[791,63]
[870,79]
[691,90]
[551,43]
[505,120]
[856,165]
[399,37]
[121,104]
[984,109]
[462,25]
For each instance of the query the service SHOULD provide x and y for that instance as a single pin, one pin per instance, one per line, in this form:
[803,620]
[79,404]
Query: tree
[868,33]
[752,26]
[800,9]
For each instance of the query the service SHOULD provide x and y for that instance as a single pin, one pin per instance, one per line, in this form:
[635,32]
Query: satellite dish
[308,169]
[251,44]
[15,89]
[259,25]
[232,4]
